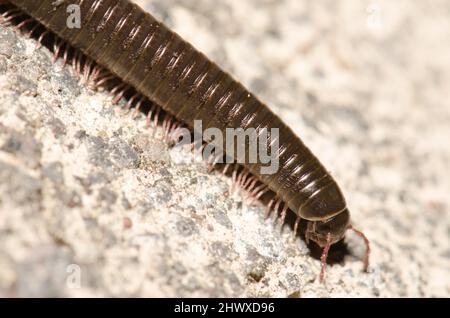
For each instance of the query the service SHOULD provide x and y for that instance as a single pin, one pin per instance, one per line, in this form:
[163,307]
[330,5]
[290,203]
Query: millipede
[122,47]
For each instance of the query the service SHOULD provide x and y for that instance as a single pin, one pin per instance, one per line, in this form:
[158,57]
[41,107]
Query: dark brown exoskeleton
[159,65]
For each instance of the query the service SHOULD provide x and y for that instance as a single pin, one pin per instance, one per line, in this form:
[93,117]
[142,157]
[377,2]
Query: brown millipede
[142,59]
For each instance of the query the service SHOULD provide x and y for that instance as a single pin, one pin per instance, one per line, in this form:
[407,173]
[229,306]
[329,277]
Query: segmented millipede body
[146,55]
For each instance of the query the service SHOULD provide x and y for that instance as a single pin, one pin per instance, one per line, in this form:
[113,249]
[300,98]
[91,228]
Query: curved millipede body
[146,55]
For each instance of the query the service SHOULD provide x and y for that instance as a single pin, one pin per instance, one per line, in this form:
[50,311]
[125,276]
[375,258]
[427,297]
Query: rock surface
[93,203]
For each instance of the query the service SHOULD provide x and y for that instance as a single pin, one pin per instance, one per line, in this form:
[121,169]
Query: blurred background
[92,204]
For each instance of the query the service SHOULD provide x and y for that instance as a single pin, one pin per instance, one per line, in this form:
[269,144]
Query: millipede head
[325,233]
[329,230]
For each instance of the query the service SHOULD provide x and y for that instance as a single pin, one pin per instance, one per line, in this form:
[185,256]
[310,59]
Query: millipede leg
[8,13]
[242,177]
[214,162]
[75,63]
[246,181]
[366,241]
[66,55]
[56,49]
[296,224]
[137,109]
[94,76]
[165,123]
[23,23]
[261,192]
[225,169]
[233,179]
[178,133]
[276,208]
[155,119]
[30,33]
[87,71]
[148,117]
[9,16]
[78,63]
[211,164]
[130,102]
[192,147]
[236,178]
[41,39]
[283,216]
[253,190]
[173,131]
[118,96]
[250,183]
[323,258]
[308,230]
[269,208]
[104,79]
[171,127]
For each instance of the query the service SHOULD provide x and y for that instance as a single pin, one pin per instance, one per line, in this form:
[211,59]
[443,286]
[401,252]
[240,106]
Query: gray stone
[186,226]
[3,64]
[110,197]
[221,217]
[25,189]
[44,273]
[53,171]
[24,146]
[58,127]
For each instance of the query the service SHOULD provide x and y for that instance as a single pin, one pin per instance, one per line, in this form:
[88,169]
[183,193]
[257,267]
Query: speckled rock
[94,203]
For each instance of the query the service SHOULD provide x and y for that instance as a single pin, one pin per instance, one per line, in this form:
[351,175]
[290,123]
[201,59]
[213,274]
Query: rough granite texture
[88,193]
